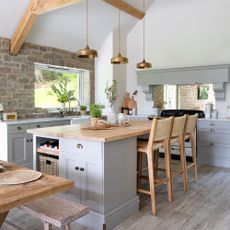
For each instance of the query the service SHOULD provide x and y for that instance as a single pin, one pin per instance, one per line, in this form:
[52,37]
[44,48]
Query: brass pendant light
[144,64]
[119,59]
[87,52]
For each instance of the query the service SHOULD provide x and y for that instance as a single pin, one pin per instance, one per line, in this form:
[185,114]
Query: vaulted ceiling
[65,28]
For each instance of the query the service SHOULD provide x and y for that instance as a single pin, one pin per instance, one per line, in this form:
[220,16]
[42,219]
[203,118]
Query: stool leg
[156,159]
[183,163]
[139,169]
[151,181]
[47,226]
[168,171]
[67,227]
[193,143]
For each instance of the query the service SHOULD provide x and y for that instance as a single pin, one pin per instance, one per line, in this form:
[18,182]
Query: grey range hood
[217,75]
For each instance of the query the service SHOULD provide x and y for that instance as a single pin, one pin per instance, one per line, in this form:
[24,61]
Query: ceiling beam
[35,8]
[120,4]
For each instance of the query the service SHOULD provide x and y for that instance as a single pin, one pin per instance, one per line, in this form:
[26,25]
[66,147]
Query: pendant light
[119,59]
[87,52]
[144,64]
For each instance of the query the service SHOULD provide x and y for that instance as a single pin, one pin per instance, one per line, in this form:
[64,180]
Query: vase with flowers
[112,95]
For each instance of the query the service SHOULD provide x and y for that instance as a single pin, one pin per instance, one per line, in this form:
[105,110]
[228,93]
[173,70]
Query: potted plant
[112,95]
[62,93]
[83,109]
[95,113]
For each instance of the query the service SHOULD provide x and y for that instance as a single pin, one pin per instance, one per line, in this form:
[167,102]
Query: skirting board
[95,221]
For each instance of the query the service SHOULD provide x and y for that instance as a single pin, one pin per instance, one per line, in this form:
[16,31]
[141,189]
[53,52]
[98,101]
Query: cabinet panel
[18,151]
[91,184]
[213,138]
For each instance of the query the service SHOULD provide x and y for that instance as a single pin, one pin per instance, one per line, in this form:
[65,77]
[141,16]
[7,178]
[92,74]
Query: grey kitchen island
[103,165]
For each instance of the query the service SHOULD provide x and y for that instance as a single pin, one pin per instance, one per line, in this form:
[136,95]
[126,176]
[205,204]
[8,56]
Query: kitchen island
[103,165]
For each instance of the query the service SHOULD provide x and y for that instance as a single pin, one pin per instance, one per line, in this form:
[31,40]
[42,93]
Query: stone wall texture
[17,74]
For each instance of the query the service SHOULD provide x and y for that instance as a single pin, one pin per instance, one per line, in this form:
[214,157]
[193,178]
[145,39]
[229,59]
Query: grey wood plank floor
[205,206]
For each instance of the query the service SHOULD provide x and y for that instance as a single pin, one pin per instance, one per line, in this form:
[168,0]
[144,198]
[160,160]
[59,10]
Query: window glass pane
[45,78]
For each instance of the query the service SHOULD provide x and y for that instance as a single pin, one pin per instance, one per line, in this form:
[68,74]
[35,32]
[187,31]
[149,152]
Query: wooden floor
[205,206]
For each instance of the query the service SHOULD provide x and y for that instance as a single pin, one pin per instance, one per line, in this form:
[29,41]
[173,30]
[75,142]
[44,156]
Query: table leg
[3,217]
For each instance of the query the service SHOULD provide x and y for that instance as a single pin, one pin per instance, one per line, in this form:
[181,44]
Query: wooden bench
[55,211]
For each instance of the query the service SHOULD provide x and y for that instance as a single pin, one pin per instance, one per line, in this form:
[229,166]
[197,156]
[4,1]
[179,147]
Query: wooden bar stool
[178,134]
[159,138]
[190,134]
[55,211]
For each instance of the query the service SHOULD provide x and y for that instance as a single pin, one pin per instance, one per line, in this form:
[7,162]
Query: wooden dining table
[12,196]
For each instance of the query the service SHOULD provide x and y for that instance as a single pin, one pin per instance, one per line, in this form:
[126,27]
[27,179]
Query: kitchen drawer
[214,150]
[215,138]
[93,149]
[203,131]
[20,128]
[214,124]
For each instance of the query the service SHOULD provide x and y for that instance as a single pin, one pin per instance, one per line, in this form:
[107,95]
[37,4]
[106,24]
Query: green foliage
[96,110]
[83,107]
[111,93]
[60,90]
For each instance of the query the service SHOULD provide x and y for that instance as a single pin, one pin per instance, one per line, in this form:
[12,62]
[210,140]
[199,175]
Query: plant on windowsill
[60,90]
[95,113]
[83,109]
[112,95]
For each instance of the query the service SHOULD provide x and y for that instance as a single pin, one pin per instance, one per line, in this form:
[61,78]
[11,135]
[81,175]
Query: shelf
[49,151]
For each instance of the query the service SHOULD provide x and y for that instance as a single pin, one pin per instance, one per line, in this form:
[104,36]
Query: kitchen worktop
[46,119]
[136,128]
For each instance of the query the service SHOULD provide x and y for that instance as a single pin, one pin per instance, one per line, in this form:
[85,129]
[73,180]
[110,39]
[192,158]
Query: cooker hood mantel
[218,75]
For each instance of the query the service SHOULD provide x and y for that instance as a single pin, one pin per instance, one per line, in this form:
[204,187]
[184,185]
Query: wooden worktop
[136,128]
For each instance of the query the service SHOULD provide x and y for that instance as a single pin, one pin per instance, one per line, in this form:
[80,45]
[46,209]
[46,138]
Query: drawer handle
[212,130]
[79,146]
[212,124]
[82,169]
[38,126]
[76,168]
[212,144]
[19,128]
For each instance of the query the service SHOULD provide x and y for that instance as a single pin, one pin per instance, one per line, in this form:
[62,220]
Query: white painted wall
[179,34]
[103,70]
[106,72]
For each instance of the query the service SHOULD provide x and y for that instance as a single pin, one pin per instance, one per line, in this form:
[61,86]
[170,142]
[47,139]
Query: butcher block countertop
[136,128]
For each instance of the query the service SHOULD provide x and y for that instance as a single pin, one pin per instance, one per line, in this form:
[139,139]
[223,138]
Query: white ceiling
[65,28]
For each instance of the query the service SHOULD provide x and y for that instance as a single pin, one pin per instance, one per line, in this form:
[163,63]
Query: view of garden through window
[45,97]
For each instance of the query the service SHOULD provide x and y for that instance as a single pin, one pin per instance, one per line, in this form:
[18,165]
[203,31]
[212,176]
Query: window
[48,75]
[170,96]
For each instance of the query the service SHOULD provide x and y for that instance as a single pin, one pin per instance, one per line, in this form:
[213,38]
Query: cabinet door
[18,151]
[91,183]
[69,167]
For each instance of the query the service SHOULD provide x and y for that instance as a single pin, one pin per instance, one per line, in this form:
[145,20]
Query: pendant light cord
[87,25]
[144,30]
[119,31]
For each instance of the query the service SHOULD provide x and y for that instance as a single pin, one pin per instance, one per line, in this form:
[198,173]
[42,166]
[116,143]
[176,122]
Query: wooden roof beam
[35,8]
[120,4]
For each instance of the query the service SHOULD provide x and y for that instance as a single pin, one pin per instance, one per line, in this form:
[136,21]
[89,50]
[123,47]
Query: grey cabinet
[16,145]
[213,145]
[81,161]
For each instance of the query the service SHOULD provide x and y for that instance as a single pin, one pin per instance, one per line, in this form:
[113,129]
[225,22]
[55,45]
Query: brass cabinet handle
[82,169]
[212,144]
[212,124]
[212,130]
[38,126]
[19,128]
[79,146]
[76,168]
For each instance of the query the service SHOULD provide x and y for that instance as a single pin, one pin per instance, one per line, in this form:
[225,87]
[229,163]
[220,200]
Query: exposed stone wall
[158,96]
[187,97]
[17,74]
